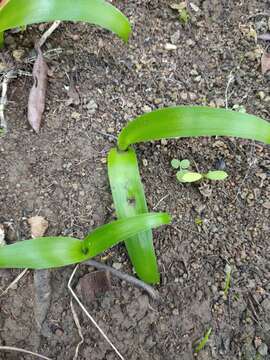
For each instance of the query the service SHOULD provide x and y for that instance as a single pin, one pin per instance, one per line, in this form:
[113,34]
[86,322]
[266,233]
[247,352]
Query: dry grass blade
[48,33]
[77,322]
[89,316]
[18,278]
[3,100]
[11,348]
[36,101]
[130,279]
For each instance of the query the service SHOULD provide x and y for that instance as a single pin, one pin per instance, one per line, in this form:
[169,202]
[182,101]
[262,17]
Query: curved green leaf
[108,235]
[41,253]
[129,200]
[48,252]
[187,121]
[15,13]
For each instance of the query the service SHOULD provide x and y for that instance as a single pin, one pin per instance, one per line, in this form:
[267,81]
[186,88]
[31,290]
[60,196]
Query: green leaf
[48,252]
[187,121]
[175,163]
[129,200]
[110,234]
[16,13]
[188,177]
[184,164]
[204,341]
[2,39]
[216,175]
[42,253]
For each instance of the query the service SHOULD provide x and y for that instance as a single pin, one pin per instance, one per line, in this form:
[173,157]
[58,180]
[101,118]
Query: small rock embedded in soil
[263,349]
[266,305]
[117,266]
[170,47]
[94,284]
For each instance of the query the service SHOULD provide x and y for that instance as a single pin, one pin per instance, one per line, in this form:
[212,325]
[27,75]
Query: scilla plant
[134,223]
[19,13]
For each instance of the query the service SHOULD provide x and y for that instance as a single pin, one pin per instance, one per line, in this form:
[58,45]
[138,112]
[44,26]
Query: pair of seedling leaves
[185,176]
[134,222]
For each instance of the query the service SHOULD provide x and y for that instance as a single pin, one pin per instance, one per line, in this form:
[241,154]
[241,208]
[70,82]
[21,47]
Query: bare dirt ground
[61,175]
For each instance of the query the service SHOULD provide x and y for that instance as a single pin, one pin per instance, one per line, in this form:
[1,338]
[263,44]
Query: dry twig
[14,282]
[11,348]
[77,322]
[3,100]
[47,34]
[89,316]
[128,278]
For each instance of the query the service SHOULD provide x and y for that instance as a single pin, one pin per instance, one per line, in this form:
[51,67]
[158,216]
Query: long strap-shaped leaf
[48,252]
[129,200]
[15,13]
[187,121]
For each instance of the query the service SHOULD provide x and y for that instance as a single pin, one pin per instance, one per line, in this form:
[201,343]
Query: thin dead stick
[230,80]
[77,322]
[48,33]
[259,14]
[3,100]
[89,316]
[163,198]
[128,278]
[18,278]
[11,348]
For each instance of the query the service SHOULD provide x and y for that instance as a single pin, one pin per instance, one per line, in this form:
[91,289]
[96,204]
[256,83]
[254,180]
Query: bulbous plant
[135,223]
[173,122]
[20,13]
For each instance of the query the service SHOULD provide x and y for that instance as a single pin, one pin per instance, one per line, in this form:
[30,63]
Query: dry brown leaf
[265,62]
[38,226]
[36,101]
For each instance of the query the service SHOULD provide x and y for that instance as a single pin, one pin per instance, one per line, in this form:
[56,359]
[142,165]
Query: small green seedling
[186,176]
[184,16]
[204,341]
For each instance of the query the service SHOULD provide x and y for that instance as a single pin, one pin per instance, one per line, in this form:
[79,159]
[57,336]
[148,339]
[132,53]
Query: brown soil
[61,175]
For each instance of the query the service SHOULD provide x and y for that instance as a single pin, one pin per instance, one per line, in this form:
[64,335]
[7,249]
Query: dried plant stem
[128,278]
[11,348]
[14,282]
[77,322]
[3,100]
[230,80]
[89,316]
[47,34]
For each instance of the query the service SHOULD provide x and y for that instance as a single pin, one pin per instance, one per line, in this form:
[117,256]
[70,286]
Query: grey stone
[263,349]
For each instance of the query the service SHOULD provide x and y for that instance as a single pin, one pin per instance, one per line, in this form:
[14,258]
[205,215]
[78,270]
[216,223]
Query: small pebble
[145,162]
[170,47]
[117,266]
[263,349]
